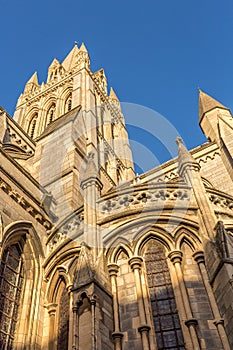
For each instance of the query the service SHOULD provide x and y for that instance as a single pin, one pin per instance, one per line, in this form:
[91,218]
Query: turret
[209,112]
[217,124]
[189,169]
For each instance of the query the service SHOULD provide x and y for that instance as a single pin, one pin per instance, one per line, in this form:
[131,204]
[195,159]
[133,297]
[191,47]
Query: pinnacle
[113,95]
[70,59]
[55,63]
[184,156]
[33,79]
[91,169]
[83,48]
[207,103]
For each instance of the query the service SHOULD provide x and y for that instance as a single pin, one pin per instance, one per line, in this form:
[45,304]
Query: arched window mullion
[50,114]
[166,320]
[68,104]
[11,276]
[32,125]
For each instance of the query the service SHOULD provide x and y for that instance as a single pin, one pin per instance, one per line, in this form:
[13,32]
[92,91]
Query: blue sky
[155,53]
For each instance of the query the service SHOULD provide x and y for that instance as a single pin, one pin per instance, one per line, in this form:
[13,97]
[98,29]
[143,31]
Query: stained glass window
[166,320]
[11,280]
[63,321]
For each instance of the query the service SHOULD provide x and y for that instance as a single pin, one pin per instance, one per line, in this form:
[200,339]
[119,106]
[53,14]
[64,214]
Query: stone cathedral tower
[94,257]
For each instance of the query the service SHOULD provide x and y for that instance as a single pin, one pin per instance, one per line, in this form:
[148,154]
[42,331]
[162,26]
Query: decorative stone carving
[69,229]
[13,193]
[221,201]
[144,196]
[12,138]
[210,156]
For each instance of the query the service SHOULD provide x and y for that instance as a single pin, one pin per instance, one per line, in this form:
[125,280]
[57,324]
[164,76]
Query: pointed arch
[59,274]
[58,299]
[66,100]
[18,229]
[30,119]
[23,235]
[32,125]
[165,316]
[68,103]
[185,234]
[118,245]
[156,233]
[67,252]
[50,113]
[49,110]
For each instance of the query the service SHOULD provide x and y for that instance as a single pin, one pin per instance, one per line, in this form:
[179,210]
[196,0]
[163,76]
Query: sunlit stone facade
[95,257]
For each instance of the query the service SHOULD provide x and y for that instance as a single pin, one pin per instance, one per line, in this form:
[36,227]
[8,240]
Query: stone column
[52,309]
[91,186]
[93,330]
[135,264]
[75,342]
[219,323]
[191,323]
[116,335]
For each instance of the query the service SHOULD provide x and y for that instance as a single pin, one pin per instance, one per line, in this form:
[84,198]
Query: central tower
[68,117]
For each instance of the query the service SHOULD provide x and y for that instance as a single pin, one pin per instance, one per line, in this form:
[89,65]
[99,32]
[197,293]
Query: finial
[75,43]
[179,140]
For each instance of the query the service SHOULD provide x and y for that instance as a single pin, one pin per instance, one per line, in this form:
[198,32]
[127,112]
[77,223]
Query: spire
[184,157]
[3,126]
[113,95]
[70,59]
[33,79]
[207,103]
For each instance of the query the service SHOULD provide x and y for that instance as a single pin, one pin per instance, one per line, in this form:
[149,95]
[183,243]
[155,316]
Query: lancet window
[32,126]
[165,316]
[11,281]
[63,320]
[51,114]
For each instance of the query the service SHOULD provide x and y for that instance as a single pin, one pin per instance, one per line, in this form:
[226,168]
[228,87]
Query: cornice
[38,215]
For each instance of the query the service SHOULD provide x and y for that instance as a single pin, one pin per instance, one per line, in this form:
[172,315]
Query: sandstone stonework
[94,257]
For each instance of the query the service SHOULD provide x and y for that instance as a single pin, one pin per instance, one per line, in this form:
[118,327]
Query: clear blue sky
[155,53]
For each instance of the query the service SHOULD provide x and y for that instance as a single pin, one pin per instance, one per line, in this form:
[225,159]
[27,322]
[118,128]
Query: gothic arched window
[68,104]
[11,280]
[32,125]
[51,114]
[166,319]
[118,172]
[63,320]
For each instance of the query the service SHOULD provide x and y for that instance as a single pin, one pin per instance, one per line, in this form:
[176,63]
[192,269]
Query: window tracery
[11,280]
[165,316]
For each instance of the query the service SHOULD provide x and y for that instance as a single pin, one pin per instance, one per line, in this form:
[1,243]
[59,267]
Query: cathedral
[94,256]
